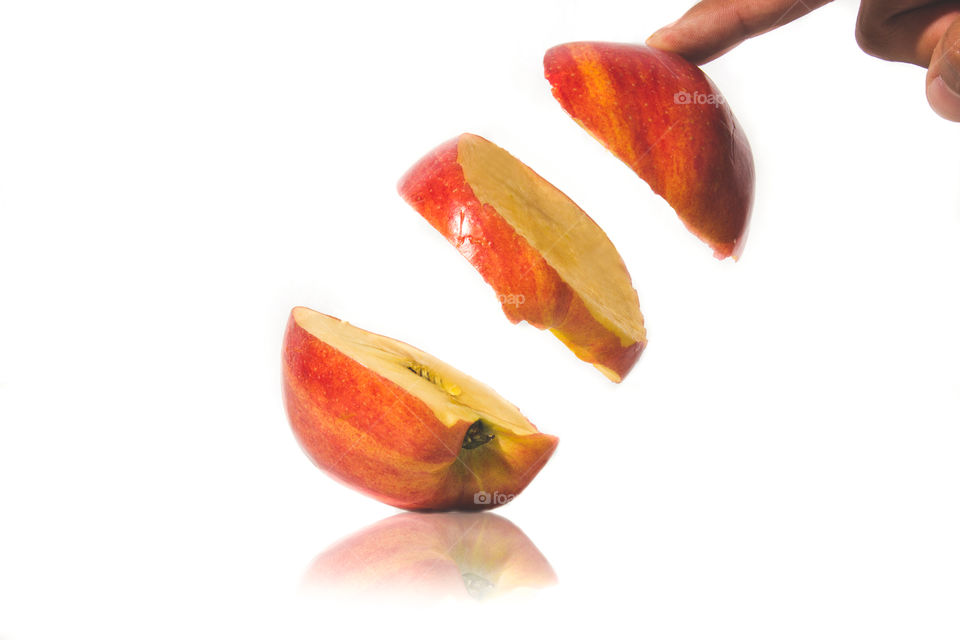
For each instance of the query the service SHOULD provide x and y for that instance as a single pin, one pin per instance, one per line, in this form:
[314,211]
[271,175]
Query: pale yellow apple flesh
[576,248]
[452,395]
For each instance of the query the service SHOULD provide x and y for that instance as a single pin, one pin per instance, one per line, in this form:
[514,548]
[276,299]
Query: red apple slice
[400,425]
[667,121]
[548,261]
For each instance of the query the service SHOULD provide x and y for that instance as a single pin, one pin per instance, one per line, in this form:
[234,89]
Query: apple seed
[424,372]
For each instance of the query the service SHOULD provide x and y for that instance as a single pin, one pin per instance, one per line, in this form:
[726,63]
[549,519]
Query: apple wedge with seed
[665,119]
[550,264]
[399,424]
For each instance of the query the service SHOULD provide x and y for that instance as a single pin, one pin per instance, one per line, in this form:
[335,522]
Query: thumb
[943,76]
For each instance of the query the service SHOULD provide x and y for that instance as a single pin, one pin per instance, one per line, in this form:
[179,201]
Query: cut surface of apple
[550,264]
[401,425]
[665,119]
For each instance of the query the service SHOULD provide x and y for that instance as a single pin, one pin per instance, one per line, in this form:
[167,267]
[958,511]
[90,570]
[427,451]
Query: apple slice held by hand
[667,121]
[548,261]
[400,425]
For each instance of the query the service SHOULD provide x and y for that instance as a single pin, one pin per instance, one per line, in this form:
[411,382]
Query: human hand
[922,32]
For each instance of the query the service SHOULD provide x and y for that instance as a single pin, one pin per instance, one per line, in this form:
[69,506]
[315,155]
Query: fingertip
[944,100]
[654,40]
[678,41]
[660,38]
[697,36]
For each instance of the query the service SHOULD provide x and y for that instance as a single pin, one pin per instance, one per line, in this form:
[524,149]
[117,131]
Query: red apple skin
[425,556]
[374,436]
[693,153]
[436,187]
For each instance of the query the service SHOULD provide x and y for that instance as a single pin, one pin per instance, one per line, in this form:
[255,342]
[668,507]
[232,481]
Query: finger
[713,27]
[943,77]
[902,31]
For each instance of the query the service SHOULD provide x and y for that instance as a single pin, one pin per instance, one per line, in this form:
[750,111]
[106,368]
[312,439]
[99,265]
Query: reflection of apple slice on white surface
[476,555]
[399,424]
[549,262]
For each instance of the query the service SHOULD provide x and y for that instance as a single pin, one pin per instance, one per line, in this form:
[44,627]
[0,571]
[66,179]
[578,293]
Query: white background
[175,176]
